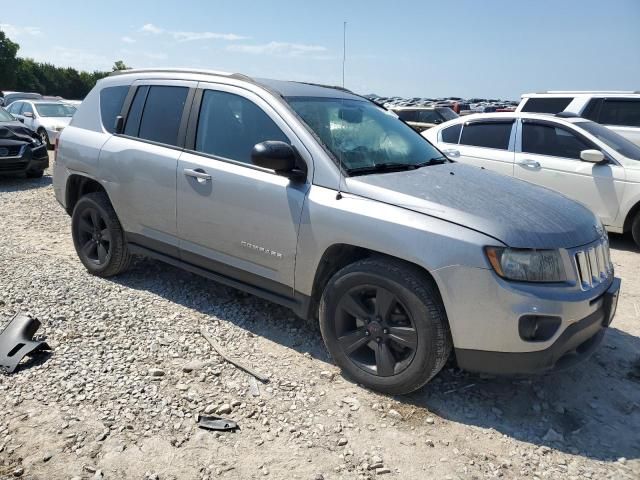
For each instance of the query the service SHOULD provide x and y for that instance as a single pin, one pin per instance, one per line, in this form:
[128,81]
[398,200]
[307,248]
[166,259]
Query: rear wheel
[635,229]
[385,325]
[98,236]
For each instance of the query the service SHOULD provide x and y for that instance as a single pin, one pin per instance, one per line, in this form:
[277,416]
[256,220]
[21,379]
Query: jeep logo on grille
[4,152]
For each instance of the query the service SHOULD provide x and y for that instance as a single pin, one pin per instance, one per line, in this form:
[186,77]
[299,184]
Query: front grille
[11,151]
[593,264]
[12,166]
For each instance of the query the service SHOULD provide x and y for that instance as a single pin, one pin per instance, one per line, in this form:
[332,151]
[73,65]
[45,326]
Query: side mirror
[593,156]
[21,120]
[278,156]
[28,114]
[118,125]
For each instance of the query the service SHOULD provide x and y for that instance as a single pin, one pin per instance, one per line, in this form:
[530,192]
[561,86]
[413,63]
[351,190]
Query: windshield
[5,116]
[55,110]
[612,139]
[447,113]
[363,137]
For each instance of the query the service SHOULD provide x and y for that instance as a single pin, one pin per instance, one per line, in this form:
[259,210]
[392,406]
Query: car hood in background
[519,214]
[16,131]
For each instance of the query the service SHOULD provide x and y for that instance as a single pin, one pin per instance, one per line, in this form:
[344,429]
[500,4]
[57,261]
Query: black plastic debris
[16,341]
[211,422]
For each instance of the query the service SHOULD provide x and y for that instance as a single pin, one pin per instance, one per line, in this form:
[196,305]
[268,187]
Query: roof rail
[567,115]
[327,86]
[238,76]
[587,91]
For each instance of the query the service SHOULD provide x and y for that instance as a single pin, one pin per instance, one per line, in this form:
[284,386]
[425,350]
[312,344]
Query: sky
[426,48]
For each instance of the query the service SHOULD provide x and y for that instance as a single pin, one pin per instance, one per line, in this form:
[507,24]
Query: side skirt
[299,303]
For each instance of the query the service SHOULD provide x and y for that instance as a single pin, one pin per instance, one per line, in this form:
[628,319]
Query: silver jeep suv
[322,201]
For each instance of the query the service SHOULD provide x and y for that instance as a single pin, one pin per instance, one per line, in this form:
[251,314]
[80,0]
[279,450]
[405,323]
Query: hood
[11,132]
[53,122]
[518,213]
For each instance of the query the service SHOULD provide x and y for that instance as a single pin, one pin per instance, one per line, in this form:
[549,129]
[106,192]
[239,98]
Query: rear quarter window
[546,105]
[451,134]
[111,101]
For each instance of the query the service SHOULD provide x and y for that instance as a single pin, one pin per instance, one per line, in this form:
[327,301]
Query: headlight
[527,265]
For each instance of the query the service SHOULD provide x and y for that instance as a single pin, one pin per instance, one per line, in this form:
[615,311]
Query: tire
[98,236]
[635,229]
[44,137]
[35,173]
[408,340]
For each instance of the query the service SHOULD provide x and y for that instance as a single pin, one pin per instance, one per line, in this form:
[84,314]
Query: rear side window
[451,134]
[547,105]
[230,126]
[620,112]
[554,141]
[111,101]
[488,135]
[162,114]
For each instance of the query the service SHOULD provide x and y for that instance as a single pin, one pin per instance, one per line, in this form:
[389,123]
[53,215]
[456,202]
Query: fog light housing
[538,328]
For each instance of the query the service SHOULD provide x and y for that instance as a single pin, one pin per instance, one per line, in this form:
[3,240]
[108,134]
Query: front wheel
[98,236]
[635,229]
[385,325]
[44,137]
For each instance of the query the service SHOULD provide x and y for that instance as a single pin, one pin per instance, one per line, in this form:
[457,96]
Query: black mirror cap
[118,125]
[279,156]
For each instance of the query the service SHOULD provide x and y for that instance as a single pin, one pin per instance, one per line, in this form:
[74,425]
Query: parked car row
[566,153]
[320,200]
[457,104]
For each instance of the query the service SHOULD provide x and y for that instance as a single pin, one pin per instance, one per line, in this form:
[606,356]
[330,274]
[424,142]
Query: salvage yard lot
[129,372]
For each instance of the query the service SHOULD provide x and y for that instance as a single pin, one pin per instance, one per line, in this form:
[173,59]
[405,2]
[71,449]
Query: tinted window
[422,116]
[162,114]
[546,105]
[554,141]
[592,110]
[26,107]
[230,126]
[135,112]
[111,100]
[621,112]
[451,134]
[489,135]
[14,108]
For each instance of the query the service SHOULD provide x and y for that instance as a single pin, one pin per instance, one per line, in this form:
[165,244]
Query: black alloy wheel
[94,237]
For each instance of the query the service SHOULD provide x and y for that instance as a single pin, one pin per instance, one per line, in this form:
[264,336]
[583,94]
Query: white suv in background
[619,111]
[577,157]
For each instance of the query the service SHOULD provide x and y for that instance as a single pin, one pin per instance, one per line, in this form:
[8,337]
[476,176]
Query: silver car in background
[318,199]
[46,118]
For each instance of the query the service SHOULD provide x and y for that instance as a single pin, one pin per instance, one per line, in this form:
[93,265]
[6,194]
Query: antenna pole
[344,49]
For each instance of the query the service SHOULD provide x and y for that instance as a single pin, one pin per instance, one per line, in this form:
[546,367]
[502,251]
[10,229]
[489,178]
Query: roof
[581,92]
[282,87]
[398,109]
[506,115]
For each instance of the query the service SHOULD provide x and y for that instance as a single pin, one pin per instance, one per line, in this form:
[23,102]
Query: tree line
[27,75]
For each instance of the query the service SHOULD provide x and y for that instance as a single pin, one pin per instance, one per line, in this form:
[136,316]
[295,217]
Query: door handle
[197,173]
[529,163]
[451,152]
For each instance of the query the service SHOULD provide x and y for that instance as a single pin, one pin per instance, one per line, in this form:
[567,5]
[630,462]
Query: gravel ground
[129,373]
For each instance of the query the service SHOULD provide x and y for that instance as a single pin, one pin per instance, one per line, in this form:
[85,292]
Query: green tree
[8,62]
[119,65]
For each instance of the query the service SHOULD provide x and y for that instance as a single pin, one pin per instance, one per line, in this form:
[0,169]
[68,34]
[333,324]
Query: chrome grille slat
[593,264]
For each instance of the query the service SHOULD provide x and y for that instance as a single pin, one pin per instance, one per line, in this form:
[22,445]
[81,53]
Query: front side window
[162,114]
[111,101]
[362,137]
[229,126]
[26,108]
[546,105]
[487,135]
[620,112]
[451,134]
[54,110]
[551,140]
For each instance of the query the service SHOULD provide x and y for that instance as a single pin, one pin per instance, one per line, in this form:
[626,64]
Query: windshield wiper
[433,161]
[381,167]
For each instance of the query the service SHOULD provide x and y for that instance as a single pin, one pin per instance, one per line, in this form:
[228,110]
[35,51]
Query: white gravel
[129,373]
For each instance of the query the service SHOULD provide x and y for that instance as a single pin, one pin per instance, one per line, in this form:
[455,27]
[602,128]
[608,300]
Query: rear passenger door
[140,163]
[236,218]
[488,144]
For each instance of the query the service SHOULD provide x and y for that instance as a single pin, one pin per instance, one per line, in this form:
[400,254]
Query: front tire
[44,137]
[385,325]
[635,229]
[98,236]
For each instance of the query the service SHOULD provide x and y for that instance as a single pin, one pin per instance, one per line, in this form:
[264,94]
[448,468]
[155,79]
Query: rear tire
[98,236]
[635,229]
[385,325]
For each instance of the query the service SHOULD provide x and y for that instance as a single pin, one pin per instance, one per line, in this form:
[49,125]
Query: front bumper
[31,160]
[575,344]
